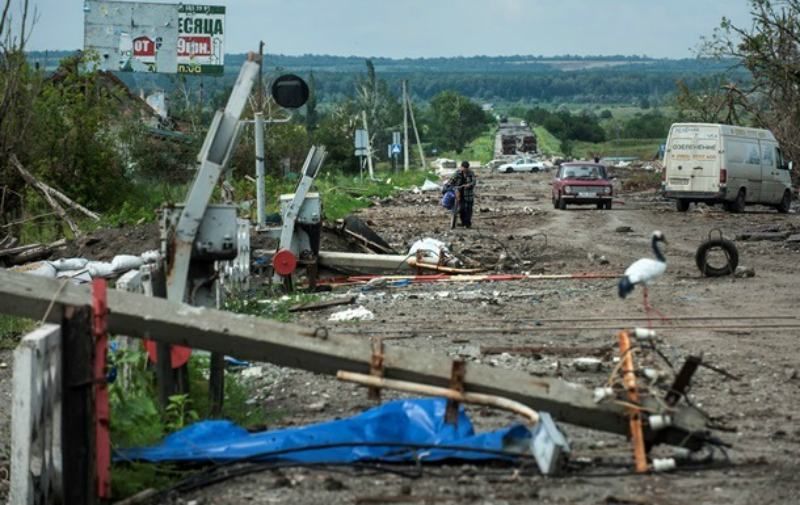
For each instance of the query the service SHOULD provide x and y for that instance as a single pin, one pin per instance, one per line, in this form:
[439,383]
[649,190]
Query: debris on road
[304,307]
[431,250]
[717,247]
[357,314]
[393,432]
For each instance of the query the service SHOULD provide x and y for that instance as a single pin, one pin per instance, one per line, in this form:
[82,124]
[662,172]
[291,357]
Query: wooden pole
[416,132]
[77,435]
[320,350]
[405,126]
[629,381]
[369,144]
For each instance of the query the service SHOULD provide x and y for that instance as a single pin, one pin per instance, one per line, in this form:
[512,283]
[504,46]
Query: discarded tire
[731,253]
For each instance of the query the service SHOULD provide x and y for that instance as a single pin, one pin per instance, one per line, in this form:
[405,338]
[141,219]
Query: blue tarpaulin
[416,427]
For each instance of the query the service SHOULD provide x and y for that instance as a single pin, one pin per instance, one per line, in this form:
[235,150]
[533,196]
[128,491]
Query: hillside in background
[498,79]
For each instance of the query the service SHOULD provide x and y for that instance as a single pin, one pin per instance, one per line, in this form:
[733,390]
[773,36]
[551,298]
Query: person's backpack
[449,199]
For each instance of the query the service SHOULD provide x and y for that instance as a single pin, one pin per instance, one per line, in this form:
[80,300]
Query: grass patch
[548,144]
[344,194]
[645,149]
[481,149]
[11,330]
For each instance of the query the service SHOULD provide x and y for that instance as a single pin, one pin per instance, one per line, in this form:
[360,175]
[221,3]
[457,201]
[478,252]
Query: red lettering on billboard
[143,46]
[194,46]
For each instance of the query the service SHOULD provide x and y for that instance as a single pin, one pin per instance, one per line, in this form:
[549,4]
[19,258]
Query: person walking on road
[463,182]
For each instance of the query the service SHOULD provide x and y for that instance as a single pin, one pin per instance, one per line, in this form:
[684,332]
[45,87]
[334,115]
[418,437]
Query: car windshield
[582,172]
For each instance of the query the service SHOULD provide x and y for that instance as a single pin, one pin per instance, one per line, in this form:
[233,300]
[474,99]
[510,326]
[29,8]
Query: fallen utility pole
[321,351]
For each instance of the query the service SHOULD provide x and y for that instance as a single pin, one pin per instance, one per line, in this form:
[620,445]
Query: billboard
[153,37]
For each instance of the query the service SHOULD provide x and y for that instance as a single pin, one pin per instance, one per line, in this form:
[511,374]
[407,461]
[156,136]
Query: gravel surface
[517,230]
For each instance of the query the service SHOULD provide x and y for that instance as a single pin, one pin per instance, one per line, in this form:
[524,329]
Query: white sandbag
[39,268]
[124,262]
[355,314]
[150,256]
[100,269]
[77,276]
[66,264]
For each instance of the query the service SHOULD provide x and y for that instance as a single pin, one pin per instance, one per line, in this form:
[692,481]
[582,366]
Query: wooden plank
[78,447]
[36,419]
[304,307]
[319,350]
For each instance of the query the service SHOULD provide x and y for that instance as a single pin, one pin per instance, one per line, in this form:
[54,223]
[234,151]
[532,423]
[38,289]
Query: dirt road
[515,219]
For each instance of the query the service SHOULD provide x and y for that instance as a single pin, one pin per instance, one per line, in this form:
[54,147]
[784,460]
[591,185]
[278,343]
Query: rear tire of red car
[601,206]
[682,205]
[555,203]
[608,205]
[562,204]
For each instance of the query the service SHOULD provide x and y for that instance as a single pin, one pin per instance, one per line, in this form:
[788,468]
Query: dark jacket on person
[464,180]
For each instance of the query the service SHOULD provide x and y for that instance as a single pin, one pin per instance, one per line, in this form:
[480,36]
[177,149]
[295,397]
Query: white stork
[644,271]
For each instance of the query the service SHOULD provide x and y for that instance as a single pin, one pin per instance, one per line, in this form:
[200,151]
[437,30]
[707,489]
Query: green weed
[547,143]
[12,328]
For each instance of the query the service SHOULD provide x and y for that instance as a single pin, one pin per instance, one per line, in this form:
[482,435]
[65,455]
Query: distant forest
[525,79]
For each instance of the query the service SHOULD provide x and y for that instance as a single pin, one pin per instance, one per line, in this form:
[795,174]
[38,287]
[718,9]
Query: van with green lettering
[731,165]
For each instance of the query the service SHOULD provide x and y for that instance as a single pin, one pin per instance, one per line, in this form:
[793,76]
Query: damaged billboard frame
[156,37]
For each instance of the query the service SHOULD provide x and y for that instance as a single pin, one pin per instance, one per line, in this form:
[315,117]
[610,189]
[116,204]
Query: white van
[732,165]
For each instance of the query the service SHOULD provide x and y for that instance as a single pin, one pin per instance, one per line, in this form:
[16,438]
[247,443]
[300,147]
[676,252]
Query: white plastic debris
[429,249]
[659,421]
[66,264]
[430,186]
[664,465]
[588,364]
[601,394]
[354,314]
[124,262]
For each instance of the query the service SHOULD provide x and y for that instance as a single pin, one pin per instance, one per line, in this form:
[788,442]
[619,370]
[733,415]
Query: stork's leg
[649,308]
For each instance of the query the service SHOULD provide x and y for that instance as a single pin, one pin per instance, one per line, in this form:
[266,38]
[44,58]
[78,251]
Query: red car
[582,183]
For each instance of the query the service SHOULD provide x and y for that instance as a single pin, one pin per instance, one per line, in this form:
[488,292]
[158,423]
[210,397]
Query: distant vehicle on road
[732,165]
[503,119]
[523,123]
[492,165]
[522,165]
[579,183]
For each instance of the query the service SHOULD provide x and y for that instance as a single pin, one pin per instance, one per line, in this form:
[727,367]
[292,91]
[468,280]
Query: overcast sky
[424,28]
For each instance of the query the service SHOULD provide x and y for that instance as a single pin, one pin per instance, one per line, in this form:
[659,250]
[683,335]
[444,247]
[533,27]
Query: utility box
[310,210]
[216,237]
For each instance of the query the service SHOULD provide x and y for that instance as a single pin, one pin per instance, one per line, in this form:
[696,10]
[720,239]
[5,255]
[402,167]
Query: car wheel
[555,202]
[737,206]
[786,202]
[608,205]
[600,206]
[682,205]
[562,204]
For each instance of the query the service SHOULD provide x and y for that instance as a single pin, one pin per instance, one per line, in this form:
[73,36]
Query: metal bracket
[376,367]
[457,374]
